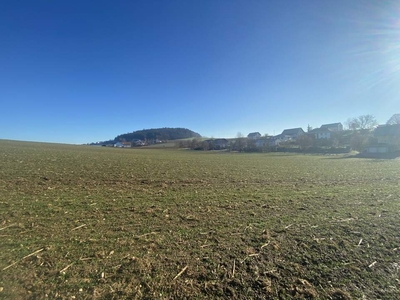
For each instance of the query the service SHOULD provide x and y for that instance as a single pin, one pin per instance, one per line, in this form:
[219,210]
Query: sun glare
[384,41]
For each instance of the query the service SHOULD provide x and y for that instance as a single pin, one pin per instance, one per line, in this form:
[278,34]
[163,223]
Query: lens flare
[381,49]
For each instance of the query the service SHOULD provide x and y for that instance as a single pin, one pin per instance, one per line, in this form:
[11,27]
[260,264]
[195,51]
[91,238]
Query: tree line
[162,134]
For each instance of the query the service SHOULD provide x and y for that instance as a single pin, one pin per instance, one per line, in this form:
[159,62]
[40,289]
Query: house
[277,139]
[264,141]
[334,127]
[254,135]
[377,149]
[321,133]
[326,131]
[291,134]
[388,134]
[138,143]
[221,144]
[122,145]
[218,144]
[388,142]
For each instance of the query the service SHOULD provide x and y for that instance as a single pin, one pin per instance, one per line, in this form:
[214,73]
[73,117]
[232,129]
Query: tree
[194,144]
[395,119]
[367,121]
[240,142]
[305,141]
[359,140]
[205,145]
[362,122]
[251,145]
[159,133]
[352,123]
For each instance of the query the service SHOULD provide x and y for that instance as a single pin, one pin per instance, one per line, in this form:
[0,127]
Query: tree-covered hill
[162,134]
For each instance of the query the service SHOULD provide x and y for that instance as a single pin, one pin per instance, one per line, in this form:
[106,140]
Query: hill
[162,134]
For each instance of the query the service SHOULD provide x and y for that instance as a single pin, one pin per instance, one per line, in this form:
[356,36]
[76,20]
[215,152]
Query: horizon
[239,134]
[78,72]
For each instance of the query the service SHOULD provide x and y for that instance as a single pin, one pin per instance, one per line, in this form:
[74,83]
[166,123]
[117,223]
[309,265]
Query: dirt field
[79,222]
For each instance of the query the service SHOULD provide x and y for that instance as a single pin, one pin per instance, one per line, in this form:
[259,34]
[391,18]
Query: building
[291,134]
[123,145]
[254,135]
[388,134]
[326,131]
[388,142]
[217,144]
[321,134]
[264,141]
[334,127]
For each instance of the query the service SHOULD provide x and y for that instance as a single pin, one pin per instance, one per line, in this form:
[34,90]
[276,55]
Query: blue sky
[84,71]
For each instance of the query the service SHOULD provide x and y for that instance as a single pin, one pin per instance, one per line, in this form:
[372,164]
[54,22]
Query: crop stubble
[96,222]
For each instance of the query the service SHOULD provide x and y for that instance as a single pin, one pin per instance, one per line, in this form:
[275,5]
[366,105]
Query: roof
[387,130]
[292,131]
[331,125]
[320,130]
[220,140]
[254,134]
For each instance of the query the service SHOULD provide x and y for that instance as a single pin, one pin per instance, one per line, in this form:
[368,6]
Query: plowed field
[80,222]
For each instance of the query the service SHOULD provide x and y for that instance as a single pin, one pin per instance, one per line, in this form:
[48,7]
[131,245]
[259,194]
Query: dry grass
[103,223]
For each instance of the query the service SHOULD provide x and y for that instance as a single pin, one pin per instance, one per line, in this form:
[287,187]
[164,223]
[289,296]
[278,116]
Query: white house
[123,145]
[291,134]
[334,127]
[326,130]
[321,134]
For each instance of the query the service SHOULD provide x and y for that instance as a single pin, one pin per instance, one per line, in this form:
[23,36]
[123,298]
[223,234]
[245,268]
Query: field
[80,222]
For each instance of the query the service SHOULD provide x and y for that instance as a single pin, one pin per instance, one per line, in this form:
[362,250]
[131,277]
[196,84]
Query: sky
[86,71]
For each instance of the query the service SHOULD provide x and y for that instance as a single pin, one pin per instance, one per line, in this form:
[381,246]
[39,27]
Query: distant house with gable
[326,131]
[254,135]
[334,127]
[276,140]
[321,133]
[388,134]
[388,141]
[218,144]
[221,144]
[291,134]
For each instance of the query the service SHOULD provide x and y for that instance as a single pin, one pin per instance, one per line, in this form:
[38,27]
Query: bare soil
[79,222]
